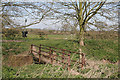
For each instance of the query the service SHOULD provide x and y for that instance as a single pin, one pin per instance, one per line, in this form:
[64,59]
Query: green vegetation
[85,71]
[102,49]
[14,48]
[99,49]
[8,72]
[10,33]
[94,48]
[37,71]
[115,75]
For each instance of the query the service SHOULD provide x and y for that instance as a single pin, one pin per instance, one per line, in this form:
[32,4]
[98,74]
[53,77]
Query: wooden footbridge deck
[56,56]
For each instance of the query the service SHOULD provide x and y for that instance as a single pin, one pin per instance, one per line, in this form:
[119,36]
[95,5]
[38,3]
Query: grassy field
[97,49]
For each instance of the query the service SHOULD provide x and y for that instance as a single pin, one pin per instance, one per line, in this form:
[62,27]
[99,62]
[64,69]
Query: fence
[61,56]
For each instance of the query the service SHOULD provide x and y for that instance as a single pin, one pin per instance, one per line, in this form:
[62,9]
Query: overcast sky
[45,24]
[55,0]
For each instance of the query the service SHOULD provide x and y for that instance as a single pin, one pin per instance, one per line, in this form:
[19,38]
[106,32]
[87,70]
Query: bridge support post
[39,52]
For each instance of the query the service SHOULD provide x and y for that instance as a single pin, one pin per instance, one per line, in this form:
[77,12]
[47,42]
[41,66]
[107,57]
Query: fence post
[51,56]
[63,59]
[68,62]
[39,52]
[31,48]
[50,52]
[83,60]
[80,58]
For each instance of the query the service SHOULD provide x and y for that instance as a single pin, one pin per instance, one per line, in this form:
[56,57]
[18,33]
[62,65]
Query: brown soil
[57,38]
[11,41]
[19,60]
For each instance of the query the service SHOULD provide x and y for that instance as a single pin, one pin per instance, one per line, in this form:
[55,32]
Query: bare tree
[86,14]
[82,14]
[13,13]
[65,27]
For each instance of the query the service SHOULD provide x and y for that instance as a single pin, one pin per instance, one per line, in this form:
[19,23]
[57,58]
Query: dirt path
[11,41]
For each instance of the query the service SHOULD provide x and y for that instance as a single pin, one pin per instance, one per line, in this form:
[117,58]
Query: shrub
[11,33]
[13,48]
[41,35]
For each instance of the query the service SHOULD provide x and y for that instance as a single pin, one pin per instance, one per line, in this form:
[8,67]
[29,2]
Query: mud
[19,60]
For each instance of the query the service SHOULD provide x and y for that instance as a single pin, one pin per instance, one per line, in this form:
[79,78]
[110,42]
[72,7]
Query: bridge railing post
[83,60]
[39,52]
[68,62]
[63,58]
[50,54]
[31,48]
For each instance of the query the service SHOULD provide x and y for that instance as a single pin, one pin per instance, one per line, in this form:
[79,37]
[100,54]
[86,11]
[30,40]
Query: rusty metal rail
[63,55]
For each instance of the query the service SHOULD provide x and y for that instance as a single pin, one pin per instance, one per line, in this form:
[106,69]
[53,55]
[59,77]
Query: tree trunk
[81,25]
[81,40]
[81,37]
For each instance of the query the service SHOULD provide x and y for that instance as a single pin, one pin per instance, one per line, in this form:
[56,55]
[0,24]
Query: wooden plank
[35,51]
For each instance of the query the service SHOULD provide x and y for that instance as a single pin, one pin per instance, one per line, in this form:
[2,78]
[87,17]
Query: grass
[102,49]
[8,72]
[97,48]
[37,71]
[94,48]
[14,48]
